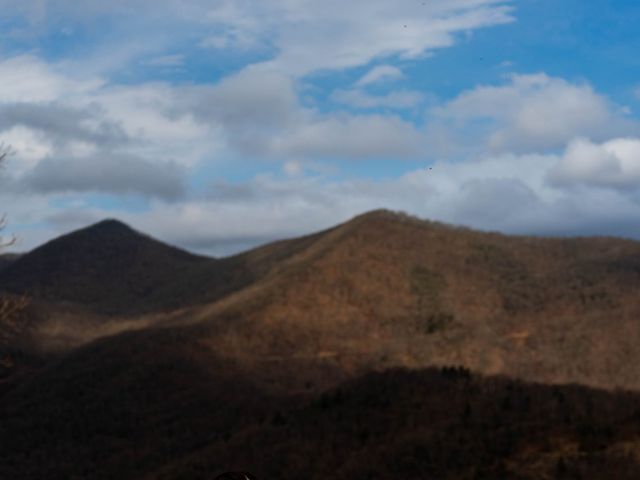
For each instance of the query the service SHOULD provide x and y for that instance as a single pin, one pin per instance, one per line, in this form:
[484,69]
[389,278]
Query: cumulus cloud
[400,99]
[253,97]
[117,174]
[535,112]
[494,201]
[175,60]
[148,114]
[380,73]
[260,112]
[116,139]
[350,137]
[256,112]
[612,164]
[61,123]
[52,104]
[71,134]
[26,78]
[248,108]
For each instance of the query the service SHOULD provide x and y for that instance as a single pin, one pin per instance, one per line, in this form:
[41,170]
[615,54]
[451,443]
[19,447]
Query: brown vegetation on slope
[380,291]
[208,387]
[389,290]
[107,278]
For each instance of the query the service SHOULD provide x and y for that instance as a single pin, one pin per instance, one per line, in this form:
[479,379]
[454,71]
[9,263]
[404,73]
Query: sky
[219,125]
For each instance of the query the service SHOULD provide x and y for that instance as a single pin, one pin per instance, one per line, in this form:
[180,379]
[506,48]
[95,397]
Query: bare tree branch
[5,151]
[12,320]
[5,243]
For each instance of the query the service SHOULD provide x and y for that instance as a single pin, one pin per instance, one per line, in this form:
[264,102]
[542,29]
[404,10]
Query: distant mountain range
[150,338]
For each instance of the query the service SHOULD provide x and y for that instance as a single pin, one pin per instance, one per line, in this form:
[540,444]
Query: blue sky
[219,125]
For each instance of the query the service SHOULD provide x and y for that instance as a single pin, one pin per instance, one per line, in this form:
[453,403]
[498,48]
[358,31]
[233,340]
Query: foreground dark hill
[8,258]
[156,405]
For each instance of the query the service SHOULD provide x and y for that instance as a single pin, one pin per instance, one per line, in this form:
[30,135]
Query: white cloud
[494,201]
[293,168]
[400,99]
[120,174]
[535,112]
[255,112]
[26,78]
[250,98]
[145,113]
[175,60]
[29,147]
[65,128]
[313,36]
[349,137]
[305,35]
[61,123]
[240,24]
[612,164]
[380,73]
[261,115]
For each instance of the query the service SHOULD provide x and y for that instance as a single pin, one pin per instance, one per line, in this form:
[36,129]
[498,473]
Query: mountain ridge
[385,345]
[386,289]
[370,295]
[110,268]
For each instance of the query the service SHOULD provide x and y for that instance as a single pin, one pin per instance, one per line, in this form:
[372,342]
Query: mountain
[387,290]
[382,290]
[109,268]
[104,266]
[385,347]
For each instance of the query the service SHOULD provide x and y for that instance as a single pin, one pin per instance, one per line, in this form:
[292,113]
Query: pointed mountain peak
[110,225]
[107,265]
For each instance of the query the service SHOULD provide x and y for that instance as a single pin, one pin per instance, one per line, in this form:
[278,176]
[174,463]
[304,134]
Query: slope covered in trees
[156,405]
[307,357]
[109,268]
